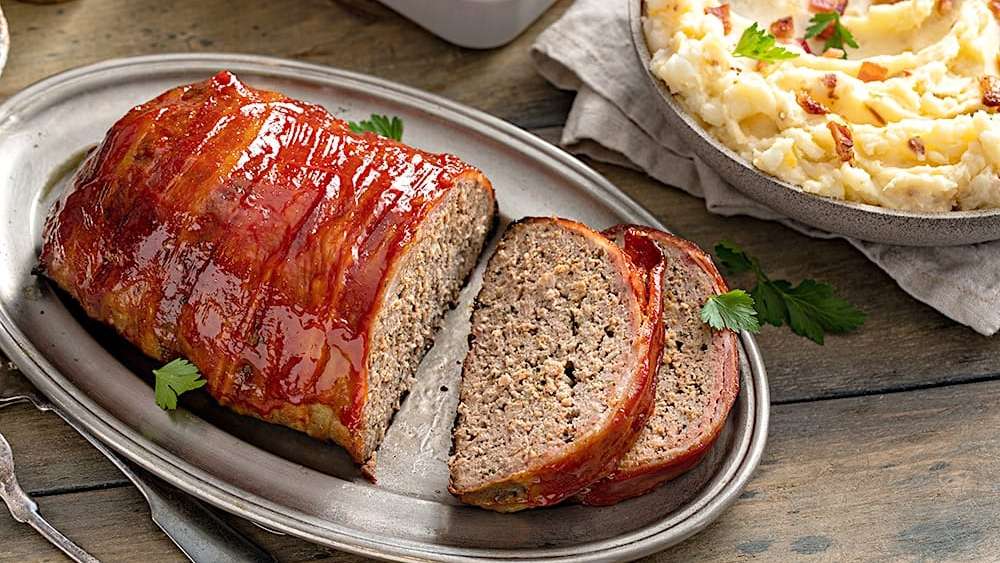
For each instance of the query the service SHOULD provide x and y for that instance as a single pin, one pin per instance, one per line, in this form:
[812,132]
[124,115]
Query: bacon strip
[843,140]
[810,105]
[830,81]
[990,86]
[818,6]
[871,72]
[722,12]
[783,28]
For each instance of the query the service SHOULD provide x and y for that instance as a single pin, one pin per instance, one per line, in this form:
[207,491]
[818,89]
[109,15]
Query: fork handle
[57,539]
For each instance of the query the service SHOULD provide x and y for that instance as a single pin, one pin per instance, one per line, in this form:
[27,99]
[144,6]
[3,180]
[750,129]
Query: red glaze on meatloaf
[260,238]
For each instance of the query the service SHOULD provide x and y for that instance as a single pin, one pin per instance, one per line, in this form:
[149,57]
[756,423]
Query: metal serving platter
[276,477]
[857,220]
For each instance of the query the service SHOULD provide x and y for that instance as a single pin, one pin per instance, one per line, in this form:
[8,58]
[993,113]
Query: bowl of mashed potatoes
[875,119]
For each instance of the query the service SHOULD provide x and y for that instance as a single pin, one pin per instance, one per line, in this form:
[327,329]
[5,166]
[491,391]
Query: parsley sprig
[840,38]
[810,308]
[172,380]
[755,43]
[733,310]
[380,125]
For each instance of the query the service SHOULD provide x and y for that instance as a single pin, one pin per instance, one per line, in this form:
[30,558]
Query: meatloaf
[557,380]
[303,268]
[697,381]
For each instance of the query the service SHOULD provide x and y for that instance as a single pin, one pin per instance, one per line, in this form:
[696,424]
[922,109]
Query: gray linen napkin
[616,118]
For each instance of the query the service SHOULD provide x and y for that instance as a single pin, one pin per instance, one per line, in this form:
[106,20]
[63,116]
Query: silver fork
[199,533]
[24,510]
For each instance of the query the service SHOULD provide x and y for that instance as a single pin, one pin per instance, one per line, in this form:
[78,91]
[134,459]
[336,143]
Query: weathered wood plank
[903,476]
[51,457]
[360,35]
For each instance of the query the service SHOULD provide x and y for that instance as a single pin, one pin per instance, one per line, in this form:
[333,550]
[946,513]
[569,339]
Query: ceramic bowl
[4,41]
[856,220]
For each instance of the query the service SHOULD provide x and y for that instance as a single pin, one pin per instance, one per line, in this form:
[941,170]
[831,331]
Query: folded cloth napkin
[616,118]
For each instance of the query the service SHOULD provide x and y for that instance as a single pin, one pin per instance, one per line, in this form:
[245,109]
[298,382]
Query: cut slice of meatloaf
[696,384]
[557,381]
[301,266]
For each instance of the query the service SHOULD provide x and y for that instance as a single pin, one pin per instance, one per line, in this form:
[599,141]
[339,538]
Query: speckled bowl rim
[909,227]
[4,40]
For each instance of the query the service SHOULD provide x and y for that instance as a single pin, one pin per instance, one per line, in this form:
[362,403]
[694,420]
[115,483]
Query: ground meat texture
[426,284]
[553,354]
[696,382]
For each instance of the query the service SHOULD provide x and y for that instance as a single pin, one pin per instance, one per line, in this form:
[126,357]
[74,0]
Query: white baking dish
[479,24]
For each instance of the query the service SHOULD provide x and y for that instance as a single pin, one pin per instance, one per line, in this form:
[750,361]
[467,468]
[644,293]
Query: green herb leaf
[733,310]
[755,43]
[177,377]
[813,309]
[732,257]
[380,125]
[841,37]
[810,309]
[770,303]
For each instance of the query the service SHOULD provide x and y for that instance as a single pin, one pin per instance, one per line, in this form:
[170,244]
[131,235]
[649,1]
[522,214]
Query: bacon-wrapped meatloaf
[302,267]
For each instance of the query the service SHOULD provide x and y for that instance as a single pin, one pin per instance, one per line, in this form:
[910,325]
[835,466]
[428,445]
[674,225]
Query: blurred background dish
[477,24]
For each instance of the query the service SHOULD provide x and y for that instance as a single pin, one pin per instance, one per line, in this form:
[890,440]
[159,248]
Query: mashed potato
[914,98]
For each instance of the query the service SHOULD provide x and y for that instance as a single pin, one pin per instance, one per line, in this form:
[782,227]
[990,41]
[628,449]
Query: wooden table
[883,443]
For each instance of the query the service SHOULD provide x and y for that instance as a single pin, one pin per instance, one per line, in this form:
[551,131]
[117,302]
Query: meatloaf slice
[696,384]
[557,381]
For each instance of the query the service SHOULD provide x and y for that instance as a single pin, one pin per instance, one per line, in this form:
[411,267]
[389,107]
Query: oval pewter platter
[858,220]
[281,479]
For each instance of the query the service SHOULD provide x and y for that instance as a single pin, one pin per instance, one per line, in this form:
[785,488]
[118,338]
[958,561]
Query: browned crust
[624,484]
[599,450]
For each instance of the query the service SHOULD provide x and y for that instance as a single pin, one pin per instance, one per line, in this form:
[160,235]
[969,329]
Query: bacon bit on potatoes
[995,8]
[833,53]
[917,146]
[810,105]
[783,28]
[828,6]
[830,81]
[805,46]
[990,86]
[871,72]
[722,12]
[878,116]
[843,140]
[944,7]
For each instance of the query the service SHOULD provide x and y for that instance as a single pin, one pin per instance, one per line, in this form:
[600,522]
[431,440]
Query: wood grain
[50,457]
[357,35]
[895,477]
